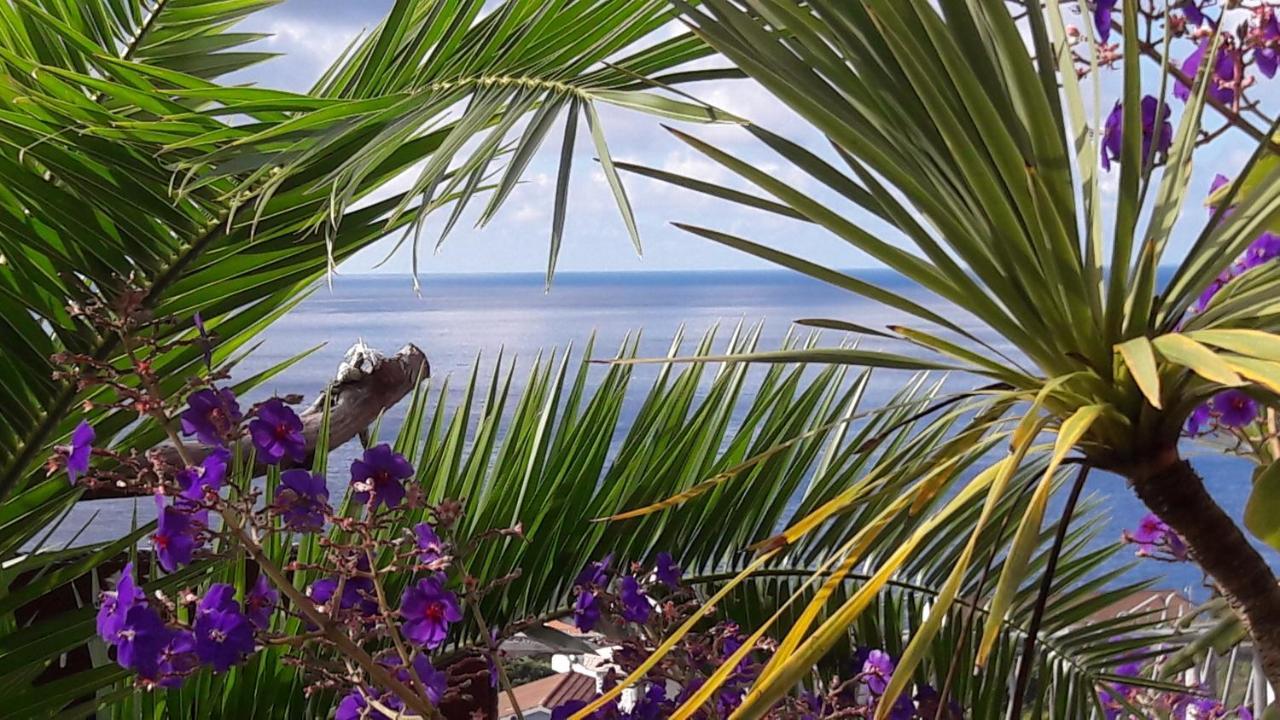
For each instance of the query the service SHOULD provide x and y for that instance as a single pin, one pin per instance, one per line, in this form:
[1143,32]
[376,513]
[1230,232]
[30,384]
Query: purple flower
[211,415]
[666,570]
[116,605]
[355,590]
[876,671]
[653,704]
[564,711]
[175,537]
[142,641]
[81,446]
[1261,251]
[1206,297]
[1267,60]
[1102,18]
[354,707]
[903,708]
[177,659]
[1224,72]
[595,573]
[277,432]
[434,681]
[377,476]
[207,477]
[223,634]
[1234,408]
[1191,10]
[586,611]
[1200,420]
[635,604]
[302,500]
[1153,534]
[1158,131]
[1219,180]
[428,610]
[1151,530]
[260,601]
[1267,57]
[430,547]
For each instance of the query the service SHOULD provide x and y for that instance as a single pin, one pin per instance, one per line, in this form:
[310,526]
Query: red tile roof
[548,692]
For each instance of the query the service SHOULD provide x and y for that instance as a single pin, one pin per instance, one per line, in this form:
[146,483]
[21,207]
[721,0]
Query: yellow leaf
[1024,542]
[1199,359]
[730,664]
[1263,372]
[853,553]
[919,644]
[1254,343]
[672,640]
[1141,360]
[769,690]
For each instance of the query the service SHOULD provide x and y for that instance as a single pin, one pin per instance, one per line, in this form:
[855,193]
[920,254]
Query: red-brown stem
[380,675]
[1172,489]
[405,658]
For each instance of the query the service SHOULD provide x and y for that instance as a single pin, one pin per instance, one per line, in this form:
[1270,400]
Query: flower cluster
[1250,42]
[149,640]
[206,502]
[641,607]
[1157,540]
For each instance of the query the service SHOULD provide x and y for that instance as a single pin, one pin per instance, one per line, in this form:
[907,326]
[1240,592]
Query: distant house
[538,698]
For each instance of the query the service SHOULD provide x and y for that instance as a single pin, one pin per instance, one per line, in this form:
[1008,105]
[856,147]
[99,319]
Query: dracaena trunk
[1175,492]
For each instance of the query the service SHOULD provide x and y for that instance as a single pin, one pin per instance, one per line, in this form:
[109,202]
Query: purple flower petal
[116,605]
[277,433]
[635,604]
[1102,18]
[207,477]
[260,602]
[379,474]
[666,570]
[211,415]
[81,447]
[586,611]
[302,499]
[428,610]
[430,547]
[1234,408]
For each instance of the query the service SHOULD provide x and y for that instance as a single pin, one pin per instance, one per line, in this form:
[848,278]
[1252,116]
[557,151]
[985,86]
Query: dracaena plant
[964,128]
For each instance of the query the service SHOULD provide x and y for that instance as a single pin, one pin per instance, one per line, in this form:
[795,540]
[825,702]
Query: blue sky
[311,33]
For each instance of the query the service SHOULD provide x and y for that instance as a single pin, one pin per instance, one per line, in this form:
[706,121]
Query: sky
[309,35]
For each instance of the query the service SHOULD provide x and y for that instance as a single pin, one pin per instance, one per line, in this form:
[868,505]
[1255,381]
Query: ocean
[458,318]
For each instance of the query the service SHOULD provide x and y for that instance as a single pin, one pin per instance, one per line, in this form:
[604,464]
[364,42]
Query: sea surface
[459,318]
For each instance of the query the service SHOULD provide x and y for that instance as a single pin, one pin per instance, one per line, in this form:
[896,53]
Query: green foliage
[129,169]
[582,442]
[961,127]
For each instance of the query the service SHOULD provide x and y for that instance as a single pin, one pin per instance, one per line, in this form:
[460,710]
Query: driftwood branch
[367,384]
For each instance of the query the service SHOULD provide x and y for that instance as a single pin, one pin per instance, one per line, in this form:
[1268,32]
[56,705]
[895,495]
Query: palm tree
[126,165]
[962,127]
[131,174]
